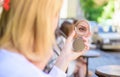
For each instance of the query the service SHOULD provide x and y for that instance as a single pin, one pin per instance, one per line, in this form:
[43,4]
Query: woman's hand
[67,55]
[68,52]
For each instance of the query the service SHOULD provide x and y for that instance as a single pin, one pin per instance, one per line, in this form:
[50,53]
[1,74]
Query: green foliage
[107,12]
[96,12]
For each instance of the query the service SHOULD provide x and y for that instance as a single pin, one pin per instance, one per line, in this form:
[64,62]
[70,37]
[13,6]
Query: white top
[16,65]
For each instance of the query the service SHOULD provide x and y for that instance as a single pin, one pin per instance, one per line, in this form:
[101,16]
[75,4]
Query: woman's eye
[82,29]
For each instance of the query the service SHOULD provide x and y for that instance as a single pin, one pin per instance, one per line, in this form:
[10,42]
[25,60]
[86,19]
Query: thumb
[72,35]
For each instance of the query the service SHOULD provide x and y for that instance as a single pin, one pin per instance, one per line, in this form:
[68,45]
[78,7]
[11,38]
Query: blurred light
[63,13]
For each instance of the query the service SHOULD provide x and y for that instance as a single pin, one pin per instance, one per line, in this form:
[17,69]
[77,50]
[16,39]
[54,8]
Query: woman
[79,64]
[26,38]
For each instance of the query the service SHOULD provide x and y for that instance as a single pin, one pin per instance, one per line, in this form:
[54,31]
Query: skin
[82,28]
[67,54]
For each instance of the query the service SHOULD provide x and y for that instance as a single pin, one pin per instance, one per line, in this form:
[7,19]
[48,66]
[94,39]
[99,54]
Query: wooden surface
[108,71]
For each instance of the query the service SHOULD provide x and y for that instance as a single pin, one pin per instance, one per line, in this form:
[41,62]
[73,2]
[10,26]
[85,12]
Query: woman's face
[82,28]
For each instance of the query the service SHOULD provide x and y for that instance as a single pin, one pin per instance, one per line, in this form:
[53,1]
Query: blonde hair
[28,27]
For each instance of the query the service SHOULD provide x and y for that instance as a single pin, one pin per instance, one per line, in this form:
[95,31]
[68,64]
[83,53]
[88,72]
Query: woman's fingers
[85,39]
[72,35]
[68,47]
[86,42]
[87,46]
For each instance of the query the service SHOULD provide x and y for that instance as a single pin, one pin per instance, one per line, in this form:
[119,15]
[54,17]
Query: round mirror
[82,28]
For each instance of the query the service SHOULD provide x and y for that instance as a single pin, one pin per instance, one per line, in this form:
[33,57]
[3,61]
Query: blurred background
[104,20]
